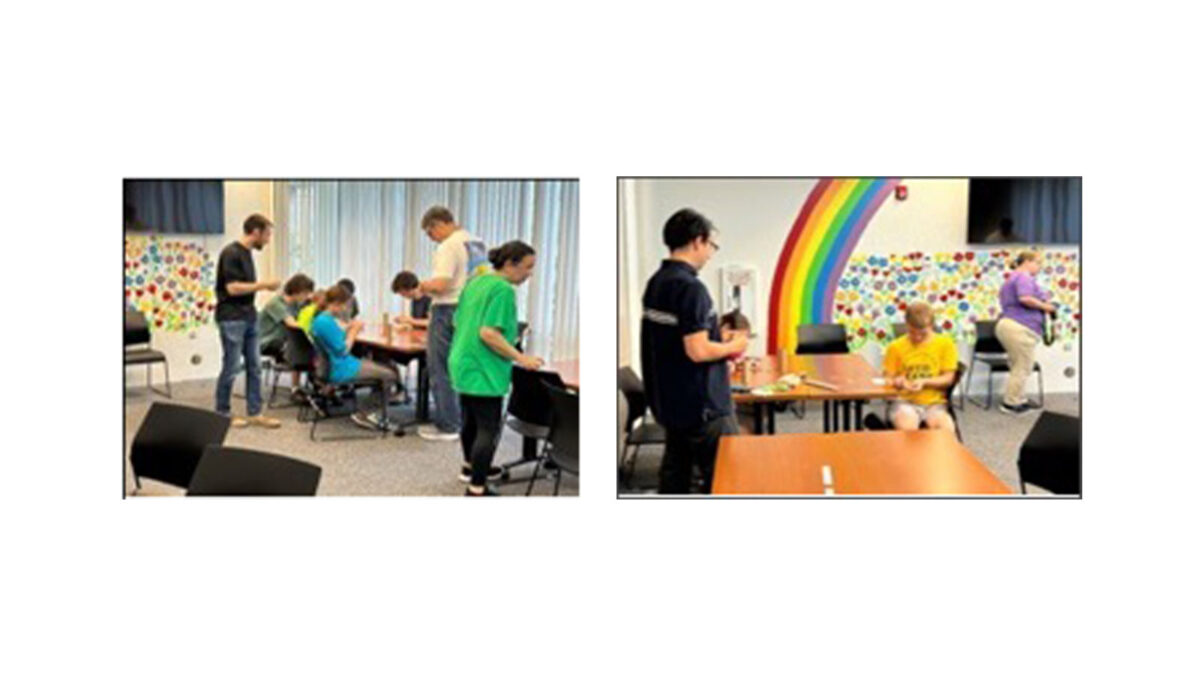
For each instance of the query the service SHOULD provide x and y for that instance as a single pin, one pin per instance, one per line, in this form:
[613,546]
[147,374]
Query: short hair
[734,320]
[513,251]
[685,226]
[256,222]
[919,315]
[346,284]
[299,283]
[405,281]
[436,214]
[1024,257]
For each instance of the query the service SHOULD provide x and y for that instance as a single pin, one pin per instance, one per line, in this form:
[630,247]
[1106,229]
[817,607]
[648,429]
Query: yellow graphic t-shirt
[936,355]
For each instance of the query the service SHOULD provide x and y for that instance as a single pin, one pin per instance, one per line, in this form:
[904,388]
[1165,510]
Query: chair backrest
[137,329]
[171,440]
[529,401]
[226,471]
[1051,455]
[301,356]
[899,329]
[958,376]
[522,333]
[821,338]
[564,428]
[986,341]
[635,396]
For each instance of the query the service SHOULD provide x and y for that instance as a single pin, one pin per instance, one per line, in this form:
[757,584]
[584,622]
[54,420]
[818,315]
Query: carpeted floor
[367,465]
[994,437]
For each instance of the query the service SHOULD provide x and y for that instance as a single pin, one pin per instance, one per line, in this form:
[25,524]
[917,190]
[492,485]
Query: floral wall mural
[170,281]
[962,286]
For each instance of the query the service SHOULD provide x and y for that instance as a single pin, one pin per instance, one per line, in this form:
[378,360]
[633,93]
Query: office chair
[137,332]
[990,352]
[1051,456]
[562,446]
[225,471]
[636,435]
[170,441]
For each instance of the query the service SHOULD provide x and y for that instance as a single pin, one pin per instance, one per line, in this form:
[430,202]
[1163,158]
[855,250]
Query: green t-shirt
[271,328]
[487,300]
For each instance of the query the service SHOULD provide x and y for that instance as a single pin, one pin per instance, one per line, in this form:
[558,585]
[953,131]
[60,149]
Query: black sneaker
[487,492]
[495,473]
[1014,409]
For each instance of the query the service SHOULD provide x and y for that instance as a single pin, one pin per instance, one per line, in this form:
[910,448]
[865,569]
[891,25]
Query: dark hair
[256,222]
[436,214]
[346,284]
[684,227]
[735,320]
[405,281]
[514,251]
[299,283]
[334,295]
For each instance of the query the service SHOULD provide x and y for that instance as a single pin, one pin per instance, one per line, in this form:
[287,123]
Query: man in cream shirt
[457,257]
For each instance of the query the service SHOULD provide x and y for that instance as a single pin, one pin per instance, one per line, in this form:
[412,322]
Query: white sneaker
[430,432]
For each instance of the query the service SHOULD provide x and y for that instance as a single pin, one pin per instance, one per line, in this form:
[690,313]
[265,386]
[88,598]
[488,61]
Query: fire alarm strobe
[901,192]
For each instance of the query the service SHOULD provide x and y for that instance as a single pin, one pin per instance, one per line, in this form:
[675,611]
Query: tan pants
[1019,342]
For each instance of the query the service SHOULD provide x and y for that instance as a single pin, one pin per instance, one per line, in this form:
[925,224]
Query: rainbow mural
[828,228]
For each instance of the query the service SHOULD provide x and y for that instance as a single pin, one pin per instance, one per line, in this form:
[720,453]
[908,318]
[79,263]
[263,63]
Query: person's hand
[356,325]
[915,385]
[403,322]
[738,341]
[529,362]
[272,285]
[898,382]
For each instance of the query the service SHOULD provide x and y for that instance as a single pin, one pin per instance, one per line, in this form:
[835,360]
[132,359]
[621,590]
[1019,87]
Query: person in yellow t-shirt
[922,365]
[305,317]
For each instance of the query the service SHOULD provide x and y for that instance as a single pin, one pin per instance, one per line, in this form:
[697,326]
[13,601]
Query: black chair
[562,447]
[636,435]
[226,471]
[522,333]
[171,440]
[876,423]
[529,412]
[137,334]
[821,338]
[990,352]
[1051,456]
[325,400]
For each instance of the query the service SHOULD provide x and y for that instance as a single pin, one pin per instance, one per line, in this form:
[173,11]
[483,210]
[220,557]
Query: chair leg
[167,375]
[1023,487]
[557,479]
[989,398]
[1041,390]
[533,479]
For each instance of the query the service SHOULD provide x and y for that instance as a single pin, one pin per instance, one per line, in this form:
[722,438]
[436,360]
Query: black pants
[481,417]
[694,447]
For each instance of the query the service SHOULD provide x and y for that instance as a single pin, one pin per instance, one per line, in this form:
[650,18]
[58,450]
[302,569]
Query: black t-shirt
[235,264]
[681,393]
[419,309]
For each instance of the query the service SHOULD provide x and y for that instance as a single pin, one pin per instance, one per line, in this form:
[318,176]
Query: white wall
[755,216]
[197,355]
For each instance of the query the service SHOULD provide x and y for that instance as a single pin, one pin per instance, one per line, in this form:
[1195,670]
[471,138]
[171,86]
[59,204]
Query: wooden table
[402,346]
[567,370]
[850,373]
[860,463]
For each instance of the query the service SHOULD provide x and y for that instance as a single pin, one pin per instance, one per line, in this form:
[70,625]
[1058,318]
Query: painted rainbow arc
[814,256]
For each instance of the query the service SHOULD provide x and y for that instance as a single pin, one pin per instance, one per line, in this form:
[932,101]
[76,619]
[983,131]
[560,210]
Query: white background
[98,91]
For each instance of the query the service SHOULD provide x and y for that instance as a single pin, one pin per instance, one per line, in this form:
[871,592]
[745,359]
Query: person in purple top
[1022,321]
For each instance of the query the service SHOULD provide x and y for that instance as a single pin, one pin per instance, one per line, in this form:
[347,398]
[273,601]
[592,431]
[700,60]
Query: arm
[435,286]
[247,287]
[700,349]
[1032,301]
[352,333]
[496,342]
[1029,295]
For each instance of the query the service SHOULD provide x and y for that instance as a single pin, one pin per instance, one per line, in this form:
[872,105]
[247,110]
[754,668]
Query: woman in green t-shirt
[482,355]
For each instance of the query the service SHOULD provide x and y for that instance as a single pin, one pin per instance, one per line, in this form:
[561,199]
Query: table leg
[825,410]
[846,415]
[858,415]
[758,419]
[771,418]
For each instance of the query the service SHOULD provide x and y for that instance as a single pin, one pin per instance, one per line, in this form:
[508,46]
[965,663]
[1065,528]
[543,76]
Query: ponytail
[514,251]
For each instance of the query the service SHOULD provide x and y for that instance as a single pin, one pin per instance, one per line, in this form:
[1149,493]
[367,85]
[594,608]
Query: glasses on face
[714,245]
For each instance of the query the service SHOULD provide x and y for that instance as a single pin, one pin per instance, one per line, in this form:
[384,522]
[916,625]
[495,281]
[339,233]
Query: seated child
[922,365]
[280,312]
[335,343]
[408,286]
[304,318]
[351,311]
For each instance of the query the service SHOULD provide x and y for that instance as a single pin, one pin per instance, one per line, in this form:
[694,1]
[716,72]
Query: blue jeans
[239,339]
[437,357]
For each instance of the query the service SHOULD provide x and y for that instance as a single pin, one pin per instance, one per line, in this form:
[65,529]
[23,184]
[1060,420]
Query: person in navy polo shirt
[684,357]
